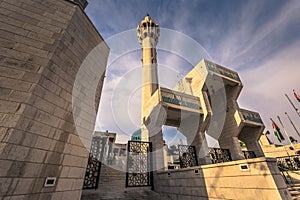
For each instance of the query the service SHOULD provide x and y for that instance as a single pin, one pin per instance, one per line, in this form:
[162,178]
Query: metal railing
[249,154]
[290,163]
[187,156]
[218,155]
[285,172]
[81,3]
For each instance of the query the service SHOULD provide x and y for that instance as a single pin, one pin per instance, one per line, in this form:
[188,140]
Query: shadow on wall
[243,179]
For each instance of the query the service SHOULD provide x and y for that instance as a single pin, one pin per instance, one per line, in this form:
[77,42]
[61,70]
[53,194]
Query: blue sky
[258,39]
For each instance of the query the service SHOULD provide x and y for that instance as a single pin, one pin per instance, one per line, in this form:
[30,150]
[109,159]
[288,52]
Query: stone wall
[275,151]
[42,46]
[262,180]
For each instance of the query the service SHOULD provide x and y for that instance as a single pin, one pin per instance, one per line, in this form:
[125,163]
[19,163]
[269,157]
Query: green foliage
[172,149]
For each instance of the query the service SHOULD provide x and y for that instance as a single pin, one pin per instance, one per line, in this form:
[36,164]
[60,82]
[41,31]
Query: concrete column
[202,149]
[157,150]
[250,137]
[253,145]
[233,144]
[195,137]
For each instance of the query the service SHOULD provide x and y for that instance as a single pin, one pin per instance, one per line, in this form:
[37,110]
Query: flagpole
[292,124]
[296,109]
[285,132]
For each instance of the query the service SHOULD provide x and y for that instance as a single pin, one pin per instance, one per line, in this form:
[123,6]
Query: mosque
[203,103]
[45,109]
[205,97]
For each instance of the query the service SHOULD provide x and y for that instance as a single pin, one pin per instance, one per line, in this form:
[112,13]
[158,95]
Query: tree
[172,149]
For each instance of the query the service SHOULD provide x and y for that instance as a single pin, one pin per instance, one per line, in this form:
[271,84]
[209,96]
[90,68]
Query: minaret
[148,33]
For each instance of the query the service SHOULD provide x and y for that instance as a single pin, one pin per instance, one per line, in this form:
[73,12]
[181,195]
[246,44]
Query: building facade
[204,103]
[43,45]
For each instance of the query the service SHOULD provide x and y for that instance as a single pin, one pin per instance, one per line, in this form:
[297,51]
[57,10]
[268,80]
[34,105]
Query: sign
[223,72]
[181,103]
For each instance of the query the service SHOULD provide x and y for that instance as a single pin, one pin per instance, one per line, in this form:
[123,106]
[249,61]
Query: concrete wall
[42,45]
[224,181]
[275,151]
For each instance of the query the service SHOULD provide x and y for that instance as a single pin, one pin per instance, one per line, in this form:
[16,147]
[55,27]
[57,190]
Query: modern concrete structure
[204,101]
[43,45]
[193,106]
[218,89]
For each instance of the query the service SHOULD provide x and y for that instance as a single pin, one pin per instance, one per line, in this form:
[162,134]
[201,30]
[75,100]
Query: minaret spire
[148,33]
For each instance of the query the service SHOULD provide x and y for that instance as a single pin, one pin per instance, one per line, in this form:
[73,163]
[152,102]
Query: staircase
[112,187]
[294,190]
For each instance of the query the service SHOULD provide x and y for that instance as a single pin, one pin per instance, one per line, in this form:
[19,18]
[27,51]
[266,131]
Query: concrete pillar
[253,145]
[157,150]
[201,146]
[233,144]
[250,136]
[191,128]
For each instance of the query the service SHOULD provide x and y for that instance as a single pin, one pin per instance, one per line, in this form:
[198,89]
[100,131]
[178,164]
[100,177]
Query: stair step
[294,192]
[112,187]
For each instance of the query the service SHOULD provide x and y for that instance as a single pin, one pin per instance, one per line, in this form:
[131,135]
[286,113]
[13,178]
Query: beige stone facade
[43,44]
[275,151]
[258,179]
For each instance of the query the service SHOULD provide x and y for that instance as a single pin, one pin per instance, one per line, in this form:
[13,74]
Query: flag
[293,139]
[296,96]
[277,132]
[266,134]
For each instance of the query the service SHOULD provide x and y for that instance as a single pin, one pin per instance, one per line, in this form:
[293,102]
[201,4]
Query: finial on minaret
[148,28]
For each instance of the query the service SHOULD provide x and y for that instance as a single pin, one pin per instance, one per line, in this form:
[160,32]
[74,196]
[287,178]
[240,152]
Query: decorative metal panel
[249,154]
[139,171]
[288,163]
[187,156]
[92,173]
[218,155]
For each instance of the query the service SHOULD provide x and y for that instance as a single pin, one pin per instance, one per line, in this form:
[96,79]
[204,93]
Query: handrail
[284,176]
[288,179]
[289,170]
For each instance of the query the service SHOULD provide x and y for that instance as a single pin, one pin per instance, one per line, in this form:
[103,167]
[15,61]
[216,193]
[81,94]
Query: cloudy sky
[258,39]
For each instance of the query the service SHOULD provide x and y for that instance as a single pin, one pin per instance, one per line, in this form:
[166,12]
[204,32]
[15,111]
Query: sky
[258,39]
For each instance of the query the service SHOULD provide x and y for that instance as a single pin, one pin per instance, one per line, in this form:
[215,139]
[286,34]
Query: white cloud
[244,40]
[266,84]
[249,36]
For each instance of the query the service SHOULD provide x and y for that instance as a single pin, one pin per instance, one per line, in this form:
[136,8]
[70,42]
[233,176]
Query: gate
[92,173]
[139,166]
[187,156]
